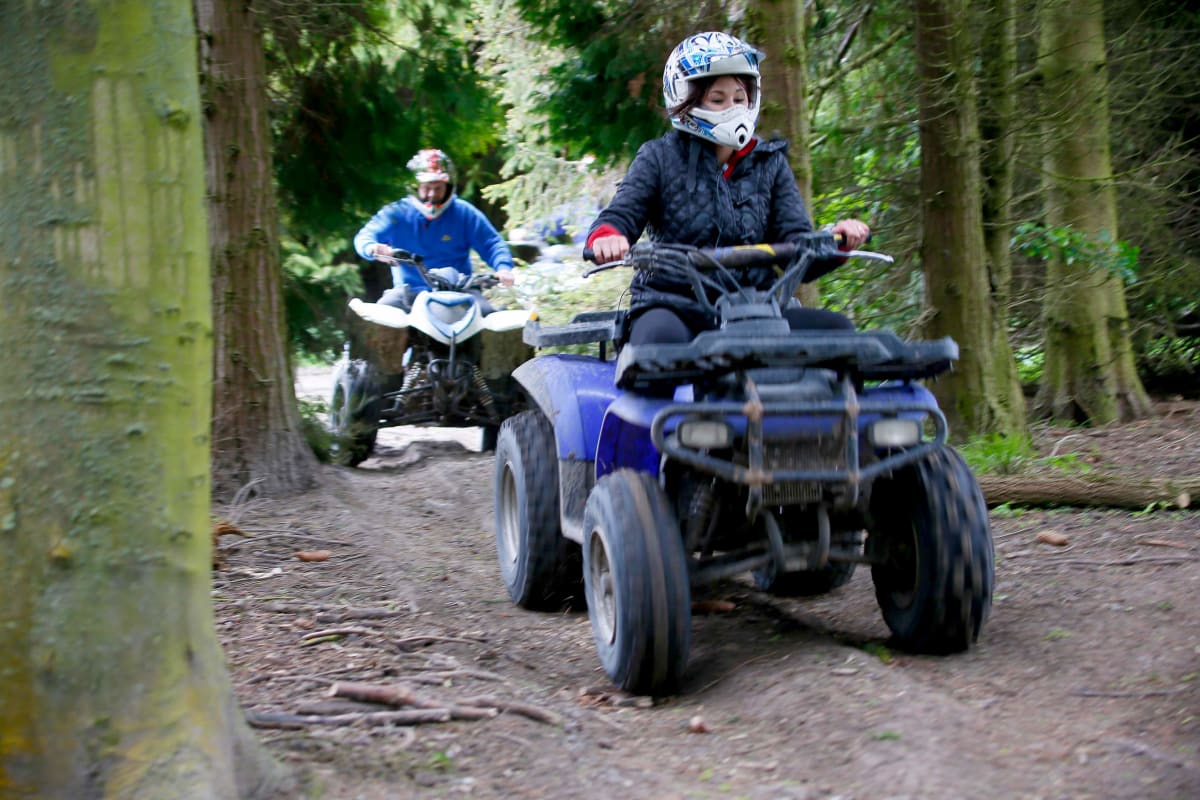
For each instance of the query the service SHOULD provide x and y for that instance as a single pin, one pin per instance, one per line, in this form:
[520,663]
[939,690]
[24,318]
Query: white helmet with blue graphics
[711,55]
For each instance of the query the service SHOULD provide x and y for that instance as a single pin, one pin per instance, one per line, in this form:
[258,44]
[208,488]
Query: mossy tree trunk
[997,112]
[778,28]
[256,424]
[981,394]
[112,682]
[1089,373]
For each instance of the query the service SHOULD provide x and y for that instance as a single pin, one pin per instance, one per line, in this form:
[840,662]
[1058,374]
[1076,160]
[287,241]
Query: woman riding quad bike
[791,455]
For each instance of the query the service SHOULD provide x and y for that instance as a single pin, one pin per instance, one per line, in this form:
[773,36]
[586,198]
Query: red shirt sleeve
[603,230]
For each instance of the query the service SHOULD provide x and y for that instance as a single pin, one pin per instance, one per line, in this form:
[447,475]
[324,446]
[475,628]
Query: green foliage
[604,96]
[560,293]
[1009,455]
[1041,242]
[879,651]
[316,292]
[1170,363]
[539,186]
[313,427]
[341,149]
[1030,361]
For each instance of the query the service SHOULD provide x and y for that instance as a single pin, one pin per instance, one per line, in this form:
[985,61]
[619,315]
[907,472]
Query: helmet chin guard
[732,127]
[431,211]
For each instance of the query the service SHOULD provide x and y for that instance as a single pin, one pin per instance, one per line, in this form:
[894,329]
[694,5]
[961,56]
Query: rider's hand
[380,249]
[854,233]
[506,277]
[610,248]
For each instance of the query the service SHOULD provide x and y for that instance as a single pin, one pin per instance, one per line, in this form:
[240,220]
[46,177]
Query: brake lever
[870,255]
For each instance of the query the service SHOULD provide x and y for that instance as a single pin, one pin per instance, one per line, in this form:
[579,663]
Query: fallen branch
[1162,543]
[1095,490]
[474,709]
[439,678]
[334,633]
[359,613]
[1149,693]
[255,539]
[278,719]
[1124,562]
[380,695]
[416,641]
[524,709]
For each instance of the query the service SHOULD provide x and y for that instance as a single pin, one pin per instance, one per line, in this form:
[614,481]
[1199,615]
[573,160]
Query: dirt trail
[1086,683]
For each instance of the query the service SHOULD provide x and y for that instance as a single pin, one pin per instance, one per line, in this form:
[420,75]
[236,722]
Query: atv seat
[871,356]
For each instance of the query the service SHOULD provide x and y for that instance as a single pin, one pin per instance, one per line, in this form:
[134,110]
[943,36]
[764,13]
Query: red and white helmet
[710,55]
[432,166]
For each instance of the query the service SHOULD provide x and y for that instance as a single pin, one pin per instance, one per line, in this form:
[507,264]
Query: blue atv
[791,455]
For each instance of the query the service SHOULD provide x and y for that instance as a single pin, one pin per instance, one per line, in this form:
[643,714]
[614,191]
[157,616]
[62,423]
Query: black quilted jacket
[674,192]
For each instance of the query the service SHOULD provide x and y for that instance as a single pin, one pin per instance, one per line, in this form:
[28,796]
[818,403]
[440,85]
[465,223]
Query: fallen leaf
[224,527]
[313,555]
[697,725]
[1052,537]
[712,607]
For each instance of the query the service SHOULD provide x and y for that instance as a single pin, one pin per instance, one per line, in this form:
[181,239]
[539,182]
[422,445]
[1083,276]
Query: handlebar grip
[589,255]
[751,255]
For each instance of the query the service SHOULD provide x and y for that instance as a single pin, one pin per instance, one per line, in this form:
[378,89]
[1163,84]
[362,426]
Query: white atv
[443,362]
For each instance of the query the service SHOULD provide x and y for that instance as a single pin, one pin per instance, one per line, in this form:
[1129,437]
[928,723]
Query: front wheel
[354,407]
[932,553]
[636,582]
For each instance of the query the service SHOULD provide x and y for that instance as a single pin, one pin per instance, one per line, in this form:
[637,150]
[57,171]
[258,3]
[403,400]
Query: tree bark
[112,683]
[256,424]
[1089,373]
[778,28]
[997,104]
[982,394]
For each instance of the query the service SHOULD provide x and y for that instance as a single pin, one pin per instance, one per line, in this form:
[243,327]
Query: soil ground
[1085,684]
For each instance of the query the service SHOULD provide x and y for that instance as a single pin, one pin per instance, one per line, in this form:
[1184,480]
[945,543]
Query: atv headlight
[705,434]
[891,433]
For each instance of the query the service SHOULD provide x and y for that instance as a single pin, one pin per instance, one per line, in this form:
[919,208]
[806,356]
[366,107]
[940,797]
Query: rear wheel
[637,584]
[539,566]
[354,408]
[936,569]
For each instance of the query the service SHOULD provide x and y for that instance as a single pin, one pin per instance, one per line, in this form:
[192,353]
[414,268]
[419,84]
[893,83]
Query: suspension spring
[485,394]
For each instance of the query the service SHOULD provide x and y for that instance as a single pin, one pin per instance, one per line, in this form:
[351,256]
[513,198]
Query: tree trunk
[778,28]
[1089,373]
[256,424]
[982,394]
[112,682]
[1106,491]
[997,104]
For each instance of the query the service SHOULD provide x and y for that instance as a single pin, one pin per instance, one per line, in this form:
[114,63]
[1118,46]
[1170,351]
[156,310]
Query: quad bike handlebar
[440,278]
[710,270]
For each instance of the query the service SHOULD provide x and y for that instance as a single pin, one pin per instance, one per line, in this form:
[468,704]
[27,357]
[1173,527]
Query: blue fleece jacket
[443,242]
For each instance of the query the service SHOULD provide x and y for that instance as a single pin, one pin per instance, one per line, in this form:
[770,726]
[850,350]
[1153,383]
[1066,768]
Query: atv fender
[511,319]
[625,440]
[573,392]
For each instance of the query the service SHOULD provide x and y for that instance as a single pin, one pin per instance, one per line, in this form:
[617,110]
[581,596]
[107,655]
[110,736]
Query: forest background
[542,104]
[1034,168]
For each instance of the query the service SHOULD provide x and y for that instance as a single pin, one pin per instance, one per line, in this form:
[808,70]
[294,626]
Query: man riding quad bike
[791,455]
